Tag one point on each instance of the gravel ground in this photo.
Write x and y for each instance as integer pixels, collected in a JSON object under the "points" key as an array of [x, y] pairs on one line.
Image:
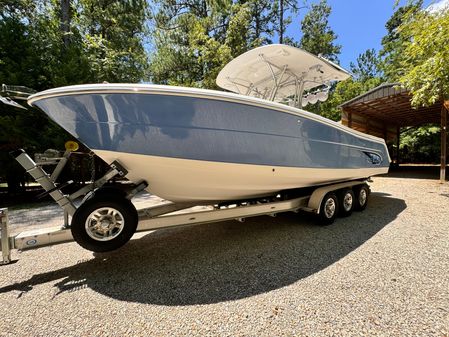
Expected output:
{"points": [[381, 272]]}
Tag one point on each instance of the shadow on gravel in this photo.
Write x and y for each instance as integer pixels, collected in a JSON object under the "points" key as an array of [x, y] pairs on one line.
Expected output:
{"points": [[223, 261]]}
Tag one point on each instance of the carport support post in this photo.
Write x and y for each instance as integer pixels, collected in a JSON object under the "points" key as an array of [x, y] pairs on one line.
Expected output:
{"points": [[443, 141], [398, 143]]}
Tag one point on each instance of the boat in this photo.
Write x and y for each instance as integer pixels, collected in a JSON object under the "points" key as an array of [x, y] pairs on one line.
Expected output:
{"points": [[204, 146]]}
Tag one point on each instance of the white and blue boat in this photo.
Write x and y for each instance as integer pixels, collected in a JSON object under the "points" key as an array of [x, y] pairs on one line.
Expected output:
{"points": [[203, 146]]}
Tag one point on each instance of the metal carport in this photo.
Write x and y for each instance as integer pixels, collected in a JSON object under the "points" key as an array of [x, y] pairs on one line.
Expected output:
{"points": [[384, 110]]}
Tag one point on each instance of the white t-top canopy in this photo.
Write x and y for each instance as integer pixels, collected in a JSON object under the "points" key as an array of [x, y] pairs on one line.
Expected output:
{"points": [[277, 72]]}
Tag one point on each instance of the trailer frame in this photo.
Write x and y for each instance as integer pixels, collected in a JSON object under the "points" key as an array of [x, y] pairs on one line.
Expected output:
{"points": [[161, 216]]}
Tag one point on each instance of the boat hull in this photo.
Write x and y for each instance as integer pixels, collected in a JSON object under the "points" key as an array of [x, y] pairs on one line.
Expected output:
{"points": [[182, 180], [200, 145]]}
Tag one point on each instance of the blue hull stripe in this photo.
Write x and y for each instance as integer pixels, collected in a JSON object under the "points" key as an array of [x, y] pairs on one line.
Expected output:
{"points": [[207, 129]]}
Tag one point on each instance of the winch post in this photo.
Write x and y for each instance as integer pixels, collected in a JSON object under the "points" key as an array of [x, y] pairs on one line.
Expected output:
{"points": [[4, 229], [60, 166]]}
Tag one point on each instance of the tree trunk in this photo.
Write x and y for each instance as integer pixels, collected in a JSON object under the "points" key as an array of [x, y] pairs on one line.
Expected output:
{"points": [[281, 21], [65, 22], [443, 144], [257, 21]]}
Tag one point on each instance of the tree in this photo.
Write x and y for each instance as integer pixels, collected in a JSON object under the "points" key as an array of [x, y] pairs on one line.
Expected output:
{"points": [[112, 35], [393, 43], [318, 38], [366, 66], [424, 60], [66, 17], [52, 43], [262, 21], [398, 65], [194, 40], [27, 129], [173, 61], [281, 9], [421, 144], [342, 92], [55, 43], [18, 61], [215, 52]]}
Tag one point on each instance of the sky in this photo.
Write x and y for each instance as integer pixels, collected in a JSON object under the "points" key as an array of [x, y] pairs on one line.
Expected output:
{"points": [[359, 24]]}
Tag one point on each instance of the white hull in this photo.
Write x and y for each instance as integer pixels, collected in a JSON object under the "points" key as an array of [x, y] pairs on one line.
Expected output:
{"points": [[185, 180]]}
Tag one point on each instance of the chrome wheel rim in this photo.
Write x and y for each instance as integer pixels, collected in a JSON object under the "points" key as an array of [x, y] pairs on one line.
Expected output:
{"points": [[329, 208], [104, 224], [347, 202], [362, 197]]}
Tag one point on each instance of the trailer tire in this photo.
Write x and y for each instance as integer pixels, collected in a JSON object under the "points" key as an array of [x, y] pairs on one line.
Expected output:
{"points": [[104, 223], [347, 201], [361, 197], [328, 209]]}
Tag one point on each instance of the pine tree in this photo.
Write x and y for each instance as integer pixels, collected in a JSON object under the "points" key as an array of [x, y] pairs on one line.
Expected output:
{"points": [[318, 38], [366, 66], [393, 42], [194, 40]]}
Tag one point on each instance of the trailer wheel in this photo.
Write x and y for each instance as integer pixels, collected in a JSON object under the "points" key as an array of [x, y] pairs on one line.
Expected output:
{"points": [[347, 200], [328, 209], [104, 223], [361, 196]]}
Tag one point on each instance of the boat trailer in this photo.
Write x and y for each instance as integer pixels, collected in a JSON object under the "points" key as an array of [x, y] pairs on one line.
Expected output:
{"points": [[106, 219]]}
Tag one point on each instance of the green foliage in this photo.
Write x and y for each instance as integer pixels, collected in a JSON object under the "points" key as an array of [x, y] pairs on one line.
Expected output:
{"points": [[27, 129], [415, 52], [173, 62], [424, 60], [192, 46], [366, 66], [281, 18], [191, 40], [212, 53], [417, 144], [393, 43], [420, 145], [342, 92], [105, 44], [318, 38], [113, 39], [19, 64], [263, 21], [103, 41]]}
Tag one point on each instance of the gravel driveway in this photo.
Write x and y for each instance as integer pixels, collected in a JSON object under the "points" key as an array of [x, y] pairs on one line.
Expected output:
{"points": [[384, 271]]}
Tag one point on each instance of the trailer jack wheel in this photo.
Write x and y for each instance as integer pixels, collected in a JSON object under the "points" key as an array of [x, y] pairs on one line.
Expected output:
{"points": [[104, 223], [328, 209]]}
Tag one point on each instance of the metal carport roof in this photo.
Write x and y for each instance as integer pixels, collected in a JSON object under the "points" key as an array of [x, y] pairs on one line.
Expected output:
{"points": [[383, 110], [391, 103]]}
